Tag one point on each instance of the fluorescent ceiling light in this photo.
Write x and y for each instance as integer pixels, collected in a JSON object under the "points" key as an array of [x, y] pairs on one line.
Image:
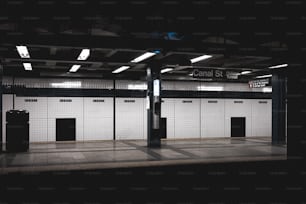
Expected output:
{"points": [[245, 72], [210, 88], [27, 66], [197, 59], [166, 70], [267, 89], [67, 84], [120, 69], [23, 51], [278, 66], [84, 54], [143, 57], [264, 76], [75, 68]]}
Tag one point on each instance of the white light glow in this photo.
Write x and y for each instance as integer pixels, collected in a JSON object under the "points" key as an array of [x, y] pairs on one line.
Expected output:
{"points": [[84, 54], [75, 68], [166, 70], [278, 66], [264, 76], [143, 57], [27, 66], [120, 69], [267, 89], [210, 88], [23, 51], [156, 87], [245, 72], [76, 84], [137, 86], [197, 59]]}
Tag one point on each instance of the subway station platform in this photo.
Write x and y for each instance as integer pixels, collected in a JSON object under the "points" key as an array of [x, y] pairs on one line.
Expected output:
{"points": [[134, 153]]}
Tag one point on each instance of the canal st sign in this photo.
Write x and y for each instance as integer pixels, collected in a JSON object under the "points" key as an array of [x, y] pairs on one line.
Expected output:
{"points": [[214, 74]]}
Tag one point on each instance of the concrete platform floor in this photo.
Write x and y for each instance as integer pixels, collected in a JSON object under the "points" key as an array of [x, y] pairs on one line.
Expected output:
{"points": [[134, 153]]}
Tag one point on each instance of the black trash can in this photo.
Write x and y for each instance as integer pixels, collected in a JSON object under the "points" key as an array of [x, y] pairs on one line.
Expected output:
{"points": [[17, 131]]}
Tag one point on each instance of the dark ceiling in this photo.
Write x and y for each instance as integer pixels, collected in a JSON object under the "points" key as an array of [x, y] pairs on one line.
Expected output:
{"points": [[241, 35]]}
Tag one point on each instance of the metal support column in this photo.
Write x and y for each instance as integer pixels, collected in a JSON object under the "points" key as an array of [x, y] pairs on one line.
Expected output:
{"points": [[1, 74], [154, 104], [114, 108], [296, 142], [278, 107]]}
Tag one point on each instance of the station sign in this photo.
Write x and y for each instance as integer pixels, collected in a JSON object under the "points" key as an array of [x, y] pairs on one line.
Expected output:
{"points": [[259, 83], [215, 74]]}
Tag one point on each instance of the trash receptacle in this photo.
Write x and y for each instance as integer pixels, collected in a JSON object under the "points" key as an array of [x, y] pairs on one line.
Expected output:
{"points": [[17, 131]]}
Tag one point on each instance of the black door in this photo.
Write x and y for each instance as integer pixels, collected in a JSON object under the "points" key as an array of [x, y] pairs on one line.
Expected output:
{"points": [[163, 127], [65, 129], [238, 127]]}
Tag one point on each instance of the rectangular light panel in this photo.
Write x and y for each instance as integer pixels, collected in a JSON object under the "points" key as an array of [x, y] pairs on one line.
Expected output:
{"points": [[23, 51], [143, 57], [84, 54], [75, 68], [264, 76], [278, 66], [166, 70], [27, 66], [120, 69], [201, 58], [245, 72]]}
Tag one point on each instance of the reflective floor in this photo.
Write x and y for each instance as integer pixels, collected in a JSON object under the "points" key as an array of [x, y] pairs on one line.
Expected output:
{"points": [[133, 153]]}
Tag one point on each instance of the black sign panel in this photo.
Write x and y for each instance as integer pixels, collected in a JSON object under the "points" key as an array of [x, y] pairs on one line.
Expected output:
{"points": [[214, 74]]}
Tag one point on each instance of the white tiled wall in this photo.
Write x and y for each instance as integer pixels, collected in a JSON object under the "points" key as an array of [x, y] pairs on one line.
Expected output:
{"points": [[129, 118], [62, 83], [98, 118], [7, 104], [262, 117], [38, 112], [124, 84], [131, 85], [167, 110], [187, 86], [212, 118], [145, 119], [94, 120], [187, 118]]}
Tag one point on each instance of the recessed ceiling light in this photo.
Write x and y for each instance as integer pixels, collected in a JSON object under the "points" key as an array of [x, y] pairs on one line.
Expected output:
{"points": [[27, 66], [84, 54], [278, 66], [143, 57], [23, 51], [245, 72], [197, 59], [166, 70], [75, 68], [264, 76], [120, 69]]}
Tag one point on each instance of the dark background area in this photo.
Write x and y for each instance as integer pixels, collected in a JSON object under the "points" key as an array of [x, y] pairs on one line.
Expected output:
{"points": [[246, 182]]}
